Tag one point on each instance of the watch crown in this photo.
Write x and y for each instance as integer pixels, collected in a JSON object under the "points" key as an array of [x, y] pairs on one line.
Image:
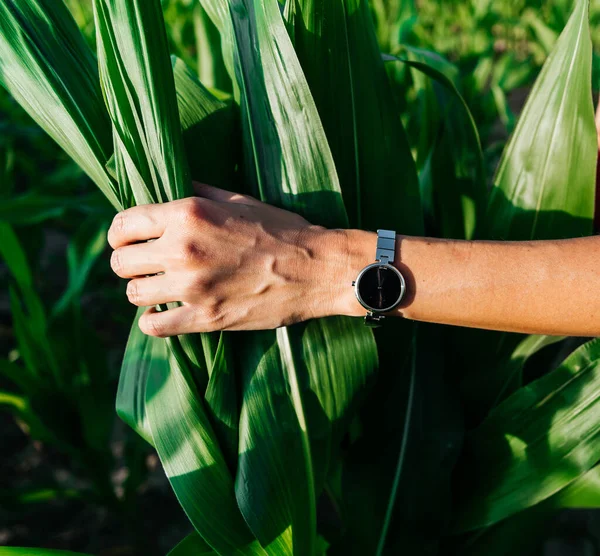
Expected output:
{"points": [[354, 282]]}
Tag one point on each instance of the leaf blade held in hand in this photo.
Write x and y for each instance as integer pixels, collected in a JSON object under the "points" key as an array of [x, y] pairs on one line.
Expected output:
{"points": [[284, 403], [137, 78]]}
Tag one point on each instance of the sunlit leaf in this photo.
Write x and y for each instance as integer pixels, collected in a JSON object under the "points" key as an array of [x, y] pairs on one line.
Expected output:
{"points": [[51, 72], [535, 443], [544, 188], [285, 450]]}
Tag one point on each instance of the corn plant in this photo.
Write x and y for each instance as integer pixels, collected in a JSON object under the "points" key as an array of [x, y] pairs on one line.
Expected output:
{"points": [[62, 392], [418, 439]]}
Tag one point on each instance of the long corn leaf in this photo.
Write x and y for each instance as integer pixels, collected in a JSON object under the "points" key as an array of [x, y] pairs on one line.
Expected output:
{"points": [[455, 159], [291, 404], [141, 100], [338, 51], [47, 66], [544, 188], [192, 458], [534, 444], [137, 78]]}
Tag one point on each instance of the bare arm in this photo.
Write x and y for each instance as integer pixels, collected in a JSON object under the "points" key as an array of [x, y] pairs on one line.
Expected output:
{"points": [[235, 263], [537, 287]]}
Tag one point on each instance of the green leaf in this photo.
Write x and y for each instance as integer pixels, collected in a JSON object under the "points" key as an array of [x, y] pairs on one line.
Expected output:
{"points": [[285, 451], [138, 81], [21, 407], [140, 98], [275, 483], [210, 131], [544, 188], [83, 251], [29, 316], [218, 12], [141, 354], [338, 51], [222, 399], [31, 208], [584, 492], [14, 256], [535, 443], [455, 161], [485, 390], [211, 66], [52, 73], [18, 376], [192, 545], [545, 35], [191, 457], [545, 184], [413, 465], [519, 535], [159, 401]]}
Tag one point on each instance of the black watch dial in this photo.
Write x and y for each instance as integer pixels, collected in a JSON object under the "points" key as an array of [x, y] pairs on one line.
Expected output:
{"points": [[380, 287]]}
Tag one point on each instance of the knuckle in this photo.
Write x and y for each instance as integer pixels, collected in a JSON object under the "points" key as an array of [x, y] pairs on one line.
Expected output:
{"points": [[116, 262], [212, 312], [199, 285], [152, 327], [133, 292], [117, 227], [188, 252], [192, 209]]}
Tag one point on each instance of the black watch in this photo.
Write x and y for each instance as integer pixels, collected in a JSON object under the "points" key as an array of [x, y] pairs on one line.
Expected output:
{"points": [[380, 286]]}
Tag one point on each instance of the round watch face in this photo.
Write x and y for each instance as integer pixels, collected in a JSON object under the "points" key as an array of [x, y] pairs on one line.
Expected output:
{"points": [[380, 287]]}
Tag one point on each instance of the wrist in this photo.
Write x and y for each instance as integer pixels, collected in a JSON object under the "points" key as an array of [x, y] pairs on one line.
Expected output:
{"points": [[338, 256], [359, 252], [324, 273]]}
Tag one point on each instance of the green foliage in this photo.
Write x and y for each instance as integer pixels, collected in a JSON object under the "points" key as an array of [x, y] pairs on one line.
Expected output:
{"points": [[544, 188], [458, 444], [7, 551], [47, 67], [534, 444]]}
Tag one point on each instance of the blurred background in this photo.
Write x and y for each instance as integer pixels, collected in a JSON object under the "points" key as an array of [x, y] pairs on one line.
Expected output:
{"points": [[72, 476]]}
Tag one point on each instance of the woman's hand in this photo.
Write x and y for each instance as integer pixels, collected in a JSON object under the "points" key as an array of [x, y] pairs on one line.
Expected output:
{"points": [[233, 262]]}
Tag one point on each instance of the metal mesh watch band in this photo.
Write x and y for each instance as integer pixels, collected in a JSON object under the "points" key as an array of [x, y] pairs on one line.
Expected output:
{"points": [[386, 250], [386, 246]]}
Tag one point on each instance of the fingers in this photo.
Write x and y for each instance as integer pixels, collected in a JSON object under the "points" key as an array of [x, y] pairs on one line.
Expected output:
{"points": [[222, 195], [137, 224], [163, 324], [152, 290], [137, 260]]}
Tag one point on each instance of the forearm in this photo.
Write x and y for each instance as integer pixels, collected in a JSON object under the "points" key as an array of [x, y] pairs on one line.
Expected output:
{"points": [[234, 263], [537, 287]]}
